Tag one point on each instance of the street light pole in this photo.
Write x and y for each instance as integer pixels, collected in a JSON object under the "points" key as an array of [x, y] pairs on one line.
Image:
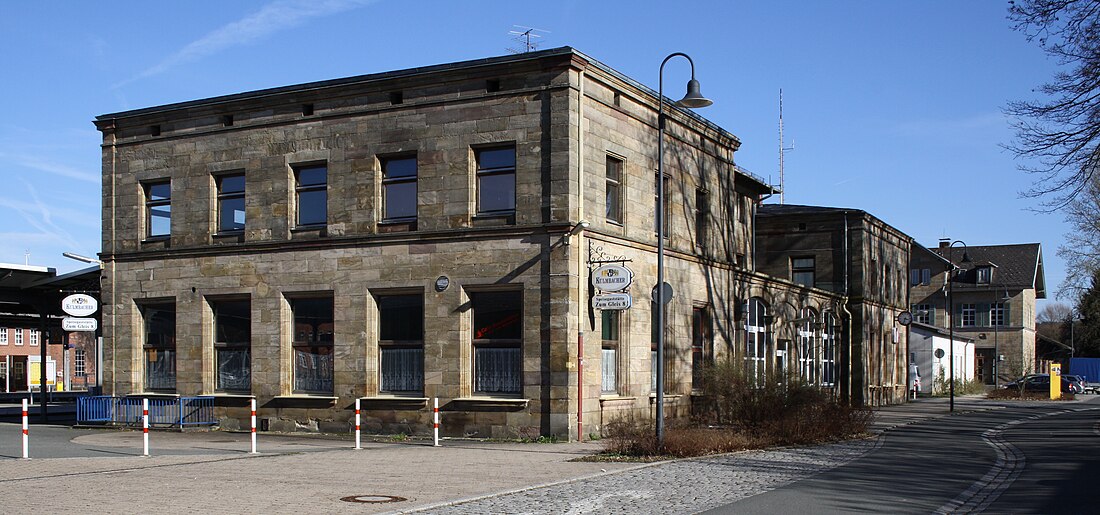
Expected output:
{"points": [[693, 99], [951, 316]]}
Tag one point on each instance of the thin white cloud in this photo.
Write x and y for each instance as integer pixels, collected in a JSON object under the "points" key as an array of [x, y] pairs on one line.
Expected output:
{"points": [[42, 165], [979, 123], [271, 18], [38, 216]]}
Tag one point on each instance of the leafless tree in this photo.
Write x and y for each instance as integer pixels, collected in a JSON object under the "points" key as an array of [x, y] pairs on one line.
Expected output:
{"points": [[1058, 135]]}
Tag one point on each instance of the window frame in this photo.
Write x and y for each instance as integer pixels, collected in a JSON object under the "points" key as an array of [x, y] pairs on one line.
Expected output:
{"points": [[483, 344], [998, 314], [79, 364], [614, 168], [702, 217], [492, 172], [154, 205], [756, 339], [300, 188], [610, 343], [3, 335], [314, 346], [32, 337], [231, 346], [968, 314], [390, 344], [388, 182], [224, 196], [702, 343], [984, 274], [18, 340], [808, 359], [797, 270], [152, 380]]}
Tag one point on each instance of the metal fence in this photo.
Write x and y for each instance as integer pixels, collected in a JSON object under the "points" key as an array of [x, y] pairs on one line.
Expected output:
{"points": [[173, 412]]}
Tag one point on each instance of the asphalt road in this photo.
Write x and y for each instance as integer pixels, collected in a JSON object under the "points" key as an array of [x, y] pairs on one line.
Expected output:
{"points": [[1034, 458]]}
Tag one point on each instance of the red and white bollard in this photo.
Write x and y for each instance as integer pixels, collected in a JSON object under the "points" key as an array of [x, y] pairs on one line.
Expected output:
{"points": [[436, 424], [26, 449], [357, 440], [145, 426], [253, 405]]}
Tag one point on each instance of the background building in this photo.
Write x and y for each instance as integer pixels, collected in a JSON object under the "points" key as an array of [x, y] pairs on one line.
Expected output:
{"points": [[859, 257], [995, 294]]}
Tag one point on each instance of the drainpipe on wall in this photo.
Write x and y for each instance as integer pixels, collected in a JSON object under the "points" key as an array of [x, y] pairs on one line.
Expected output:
{"points": [[580, 261]]}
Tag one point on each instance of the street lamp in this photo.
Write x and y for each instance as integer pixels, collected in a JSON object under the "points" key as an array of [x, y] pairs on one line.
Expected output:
{"points": [[951, 314], [693, 99]]}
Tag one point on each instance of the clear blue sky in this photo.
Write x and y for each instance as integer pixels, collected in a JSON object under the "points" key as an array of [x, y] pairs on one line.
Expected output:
{"points": [[893, 107]]}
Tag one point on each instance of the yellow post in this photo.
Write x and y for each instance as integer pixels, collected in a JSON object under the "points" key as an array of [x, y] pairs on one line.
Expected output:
{"points": [[1055, 381]]}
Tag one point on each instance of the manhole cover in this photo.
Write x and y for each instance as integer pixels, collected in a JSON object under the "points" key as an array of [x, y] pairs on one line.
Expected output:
{"points": [[374, 499]]}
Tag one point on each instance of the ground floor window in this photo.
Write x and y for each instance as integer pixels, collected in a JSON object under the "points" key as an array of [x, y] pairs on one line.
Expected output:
{"points": [[160, 346], [828, 352], [78, 362], [807, 348], [756, 344], [497, 341], [233, 345], [609, 362], [401, 342], [700, 344], [313, 344]]}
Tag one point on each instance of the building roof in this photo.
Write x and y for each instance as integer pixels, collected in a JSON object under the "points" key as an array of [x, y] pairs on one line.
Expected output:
{"points": [[777, 210], [937, 330], [439, 68], [1018, 265]]}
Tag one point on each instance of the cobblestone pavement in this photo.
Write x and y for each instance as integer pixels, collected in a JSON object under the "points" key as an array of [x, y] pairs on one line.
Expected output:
{"points": [[686, 486]]}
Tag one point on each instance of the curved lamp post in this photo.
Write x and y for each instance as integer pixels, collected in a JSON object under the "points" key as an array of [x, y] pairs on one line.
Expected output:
{"points": [[693, 99], [951, 314]]}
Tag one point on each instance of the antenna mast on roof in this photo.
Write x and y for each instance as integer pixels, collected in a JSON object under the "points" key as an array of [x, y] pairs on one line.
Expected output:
{"points": [[524, 37], [782, 150]]}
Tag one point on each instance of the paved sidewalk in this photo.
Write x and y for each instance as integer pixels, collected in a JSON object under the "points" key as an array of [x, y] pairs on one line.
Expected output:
{"points": [[296, 474]]}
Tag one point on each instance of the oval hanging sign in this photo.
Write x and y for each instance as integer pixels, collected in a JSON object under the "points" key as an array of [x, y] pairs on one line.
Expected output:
{"points": [[612, 278], [79, 305]]}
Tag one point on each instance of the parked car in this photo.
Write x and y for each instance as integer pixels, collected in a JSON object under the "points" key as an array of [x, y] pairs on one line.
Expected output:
{"points": [[1077, 381], [1041, 383]]}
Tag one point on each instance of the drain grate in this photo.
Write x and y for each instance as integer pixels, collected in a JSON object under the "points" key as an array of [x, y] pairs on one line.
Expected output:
{"points": [[373, 499]]}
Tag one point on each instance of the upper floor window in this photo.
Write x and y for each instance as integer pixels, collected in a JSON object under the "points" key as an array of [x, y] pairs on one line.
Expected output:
{"points": [[920, 276], [661, 212], [34, 337], [802, 271], [230, 202], [998, 314], [19, 336], [968, 315], [496, 180], [158, 209], [702, 214], [3, 335], [311, 187], [985, 274], [399, 189], [614, 190], [924, 313]]}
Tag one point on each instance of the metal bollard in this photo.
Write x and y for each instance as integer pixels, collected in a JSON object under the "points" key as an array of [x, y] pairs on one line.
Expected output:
{"points": [[145, 426], [436, 425], [253, 405], [357, 440], [26, 449]]}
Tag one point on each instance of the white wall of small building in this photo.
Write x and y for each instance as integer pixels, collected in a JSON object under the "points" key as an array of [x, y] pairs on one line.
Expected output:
{"points": [[922, 348]]}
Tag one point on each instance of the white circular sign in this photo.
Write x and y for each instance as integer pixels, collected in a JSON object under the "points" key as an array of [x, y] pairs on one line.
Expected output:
{"points": [[612, 278], [79, 305]]}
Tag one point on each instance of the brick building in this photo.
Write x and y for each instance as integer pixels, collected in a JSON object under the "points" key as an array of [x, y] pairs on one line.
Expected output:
{"points": [[407, 235], [864, 260]]}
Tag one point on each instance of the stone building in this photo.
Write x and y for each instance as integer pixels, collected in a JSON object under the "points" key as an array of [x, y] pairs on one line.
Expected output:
{"points": [[862, 259], [428, 233], [994, 293]]}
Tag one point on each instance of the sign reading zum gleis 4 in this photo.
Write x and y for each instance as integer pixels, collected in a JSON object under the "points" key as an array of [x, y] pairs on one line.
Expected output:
{"points": [[79, 305], [612, 278]]}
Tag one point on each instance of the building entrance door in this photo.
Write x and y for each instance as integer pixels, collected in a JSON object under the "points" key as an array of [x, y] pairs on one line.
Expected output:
{"points": [[983, 365], [18, 382]]}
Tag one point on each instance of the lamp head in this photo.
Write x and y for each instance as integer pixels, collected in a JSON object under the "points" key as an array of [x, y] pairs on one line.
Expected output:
{"points": [[694, 99]]}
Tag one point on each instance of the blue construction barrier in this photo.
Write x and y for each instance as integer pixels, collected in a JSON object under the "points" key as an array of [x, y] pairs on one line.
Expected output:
{"points": [[174, 412]]}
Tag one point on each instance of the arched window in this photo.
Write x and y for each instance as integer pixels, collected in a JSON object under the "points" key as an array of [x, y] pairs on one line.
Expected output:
{"points": [[828, 351], [807, 347], [756, 334]]}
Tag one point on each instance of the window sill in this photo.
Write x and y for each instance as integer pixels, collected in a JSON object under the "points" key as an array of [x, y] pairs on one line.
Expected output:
{"points": [[669, 397], [223, 399], [388, 226], [493, 219], [157, 242], [488, 404], [303, 401], [229, 237], [309, 231], [394, 402], [616, 399]]}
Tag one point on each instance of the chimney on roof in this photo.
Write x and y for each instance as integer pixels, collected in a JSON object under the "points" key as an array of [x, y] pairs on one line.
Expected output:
{"points": [[945, 242]]}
